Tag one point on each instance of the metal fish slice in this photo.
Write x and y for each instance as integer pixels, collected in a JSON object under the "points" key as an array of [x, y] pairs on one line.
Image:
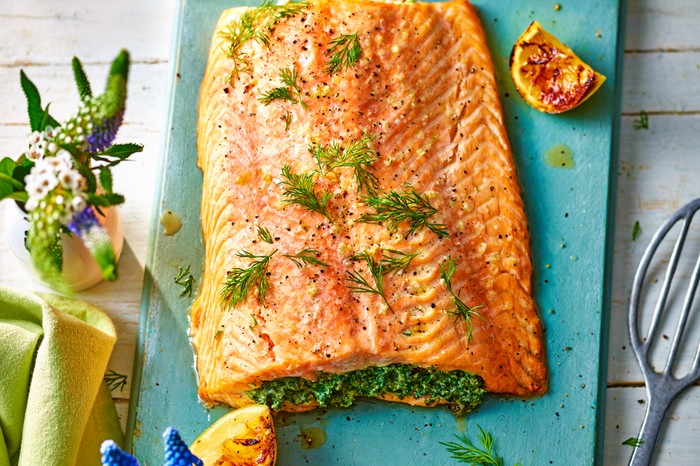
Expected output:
{"points": [[662, 386]]}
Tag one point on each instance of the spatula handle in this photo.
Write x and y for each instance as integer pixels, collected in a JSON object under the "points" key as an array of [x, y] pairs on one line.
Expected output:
{"points": [[649, 433]]}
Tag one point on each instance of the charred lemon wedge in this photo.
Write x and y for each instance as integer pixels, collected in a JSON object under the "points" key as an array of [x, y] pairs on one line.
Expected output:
{"points": [[548, 74], [243, 437]]}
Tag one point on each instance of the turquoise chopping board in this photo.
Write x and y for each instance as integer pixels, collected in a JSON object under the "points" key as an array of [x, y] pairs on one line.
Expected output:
{"points": [[570, 212]]}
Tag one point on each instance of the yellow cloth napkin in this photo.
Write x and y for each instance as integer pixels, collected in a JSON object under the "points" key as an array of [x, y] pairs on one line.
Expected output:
{"points": [[54, 406]]}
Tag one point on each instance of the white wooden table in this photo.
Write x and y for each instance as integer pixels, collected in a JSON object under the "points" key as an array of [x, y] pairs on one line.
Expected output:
{"points": [[659, 168]]}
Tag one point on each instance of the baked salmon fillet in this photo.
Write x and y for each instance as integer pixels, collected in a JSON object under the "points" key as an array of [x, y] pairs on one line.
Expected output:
{"points": [[363, 226]]}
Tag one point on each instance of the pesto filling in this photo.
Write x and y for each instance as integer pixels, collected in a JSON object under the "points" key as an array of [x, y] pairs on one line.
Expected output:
{"points": [[462, 390]]}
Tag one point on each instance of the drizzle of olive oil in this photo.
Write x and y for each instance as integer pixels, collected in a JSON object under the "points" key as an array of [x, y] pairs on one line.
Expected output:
{"points": [[560, 156], [313, 438], [461, 424]]}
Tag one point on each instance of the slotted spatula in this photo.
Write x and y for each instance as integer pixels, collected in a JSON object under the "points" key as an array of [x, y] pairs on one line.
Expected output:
{"points": [[662, 386]]}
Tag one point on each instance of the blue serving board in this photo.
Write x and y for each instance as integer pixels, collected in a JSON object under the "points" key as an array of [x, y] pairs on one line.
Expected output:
{"points": [[570, 213]]}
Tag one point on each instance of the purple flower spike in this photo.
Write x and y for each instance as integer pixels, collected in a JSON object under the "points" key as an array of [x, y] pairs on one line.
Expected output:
{"points": [[103, 134], [176, 451], [112, 455], [86, 227]]}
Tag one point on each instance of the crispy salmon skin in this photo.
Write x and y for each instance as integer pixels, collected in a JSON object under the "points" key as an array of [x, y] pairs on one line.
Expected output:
{"points": [[436, 196]]}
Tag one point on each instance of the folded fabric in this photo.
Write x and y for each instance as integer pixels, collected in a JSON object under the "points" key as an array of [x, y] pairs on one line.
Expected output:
{"points": [[54, 406]]}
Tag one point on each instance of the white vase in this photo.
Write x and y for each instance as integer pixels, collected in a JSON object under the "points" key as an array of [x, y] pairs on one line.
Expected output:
{"points": [[80, 270]]}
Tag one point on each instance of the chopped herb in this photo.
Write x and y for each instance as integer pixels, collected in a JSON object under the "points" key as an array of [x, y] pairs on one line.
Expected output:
{"points": [[265, 235], [358, 155], [299, 189], [255, 25], [361, 285], [448, 269], [290, 91], [464, 451], [306, 257], [239, 281], [345, 50], [395, 208], [636, 230], [633, 442], [287, 120], [642, 122], [185, 280], [398, 263], [461, 390], [218, 334], [255, 322], [115, 380]]}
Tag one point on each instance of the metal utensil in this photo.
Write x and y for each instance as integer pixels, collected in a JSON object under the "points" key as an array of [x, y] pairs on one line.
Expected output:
{"points": [[662, 387]]}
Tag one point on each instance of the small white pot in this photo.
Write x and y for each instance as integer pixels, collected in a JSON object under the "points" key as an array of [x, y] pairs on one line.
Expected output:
{"points": [[79, 268]]}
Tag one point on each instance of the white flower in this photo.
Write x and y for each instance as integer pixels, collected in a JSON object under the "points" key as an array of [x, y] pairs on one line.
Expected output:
{"points": [[33, 154], [31, 204], [35, 138], [59, 200], [65, 157], [52, 148], [70, 179], [77, 204], [50, 132]]}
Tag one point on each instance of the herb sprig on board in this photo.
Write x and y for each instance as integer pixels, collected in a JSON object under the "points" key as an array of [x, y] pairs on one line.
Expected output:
{"points": [[357, 155], [255, 25], [185, 280], [394, 208], [447, 270], [241, 281], [345, 50], [397, 262], [299, 189], [464, 451], [264, 235]]}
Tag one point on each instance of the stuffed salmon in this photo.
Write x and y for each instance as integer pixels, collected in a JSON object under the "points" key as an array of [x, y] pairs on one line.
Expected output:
{"points": [[363, 226]]}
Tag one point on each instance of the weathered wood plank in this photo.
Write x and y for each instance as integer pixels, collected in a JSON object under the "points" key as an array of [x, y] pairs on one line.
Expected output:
{"points": [[661, 82], [52, 32], [662, 25], [657, 175], [679, 434]]}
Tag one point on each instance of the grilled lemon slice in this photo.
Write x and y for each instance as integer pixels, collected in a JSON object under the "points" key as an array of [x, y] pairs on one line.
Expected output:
{"points": [[548, 74], [243, 437]]}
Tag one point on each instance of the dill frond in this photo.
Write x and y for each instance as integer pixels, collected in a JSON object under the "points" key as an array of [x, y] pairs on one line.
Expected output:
{"points": [[464, 451], [345, 50], [254, 25], [360, 283], [115, 380], [395, 208], [358, 155], [447, 269], [265, 235], [398, 263], [306, 257], [299, 189], [185, 280], [240, 281], [290, 91]]}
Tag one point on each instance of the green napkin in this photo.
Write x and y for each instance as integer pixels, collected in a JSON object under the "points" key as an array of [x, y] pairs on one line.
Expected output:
{"points": [[54, 406]]}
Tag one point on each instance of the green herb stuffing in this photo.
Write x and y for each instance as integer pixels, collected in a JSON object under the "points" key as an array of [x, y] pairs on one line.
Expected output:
{"points": [[461, 390]]}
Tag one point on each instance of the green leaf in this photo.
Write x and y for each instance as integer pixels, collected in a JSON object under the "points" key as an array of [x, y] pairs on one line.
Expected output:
{"points": [[89, 177], [10, 181], [81, 79], [633, 442], [117, 153], [7, 166], [106, 179], [48, 120], [36, 112], [636, 230], [105, 200]]}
